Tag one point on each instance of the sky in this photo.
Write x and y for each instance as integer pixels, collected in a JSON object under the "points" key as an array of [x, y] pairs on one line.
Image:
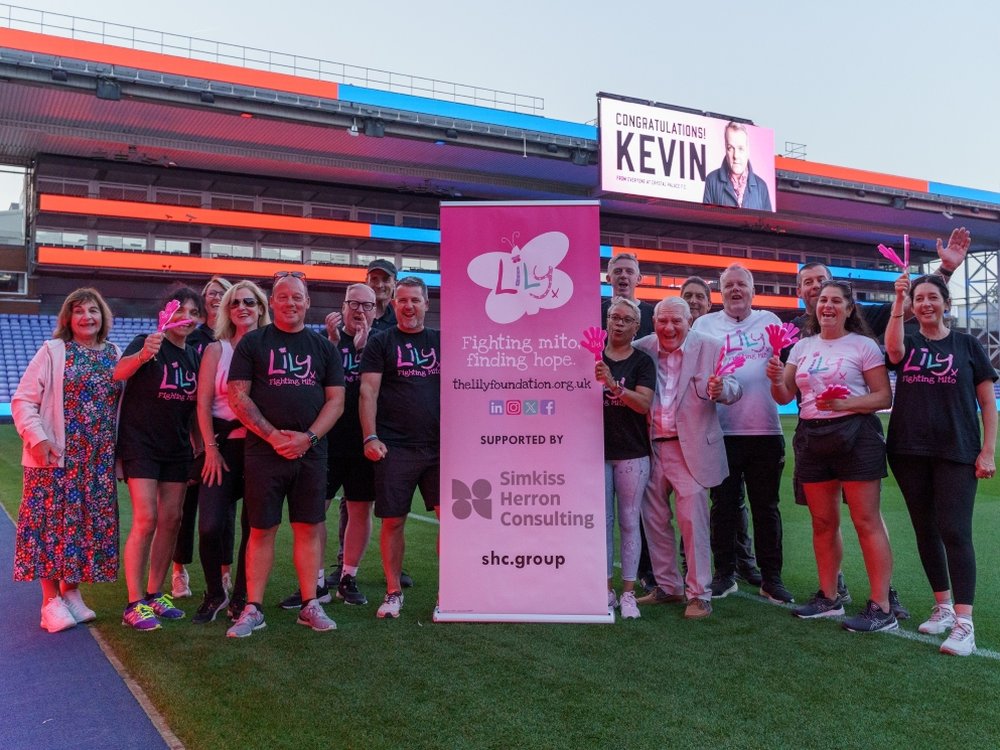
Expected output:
{"points": [[906, 88]]}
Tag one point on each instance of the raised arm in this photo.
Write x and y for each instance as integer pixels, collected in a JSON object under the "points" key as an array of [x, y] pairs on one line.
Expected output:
{"points": [[894, 331]]}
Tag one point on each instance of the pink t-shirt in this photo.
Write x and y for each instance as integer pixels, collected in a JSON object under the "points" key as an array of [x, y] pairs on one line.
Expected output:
{"points": [[823, 362]]}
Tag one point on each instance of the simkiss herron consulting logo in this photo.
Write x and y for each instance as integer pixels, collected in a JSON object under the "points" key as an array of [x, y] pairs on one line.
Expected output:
{"points": [[477, 498]]}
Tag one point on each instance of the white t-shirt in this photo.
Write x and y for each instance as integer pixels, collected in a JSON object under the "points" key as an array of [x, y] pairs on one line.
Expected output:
{"points": [[824, 362], [755, 413]]}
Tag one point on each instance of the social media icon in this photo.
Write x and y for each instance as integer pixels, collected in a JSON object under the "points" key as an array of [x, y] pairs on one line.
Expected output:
{"points": [[496, 408], [547, 407], [513, 408], [530, 408]]}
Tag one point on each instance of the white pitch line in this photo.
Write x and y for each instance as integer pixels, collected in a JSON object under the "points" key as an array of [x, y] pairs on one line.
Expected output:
{"points": [[425, 519]]}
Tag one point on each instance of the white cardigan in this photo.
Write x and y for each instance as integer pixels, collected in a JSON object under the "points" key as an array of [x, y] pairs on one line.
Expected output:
{"points": [[37, 405]]}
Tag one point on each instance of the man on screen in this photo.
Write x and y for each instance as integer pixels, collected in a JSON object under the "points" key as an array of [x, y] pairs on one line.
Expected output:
{"points": [[734, 184]]}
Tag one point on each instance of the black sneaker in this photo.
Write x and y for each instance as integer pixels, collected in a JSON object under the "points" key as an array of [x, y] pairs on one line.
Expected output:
{"points": [[647, 582], [775, 591], [871, 619], [750, 575], [842, 592], [901, 612], [294, 601], [819, 606], [236, 605], [348, 591], [333, 580], [723, 586], [210, 607], [404, 579]]}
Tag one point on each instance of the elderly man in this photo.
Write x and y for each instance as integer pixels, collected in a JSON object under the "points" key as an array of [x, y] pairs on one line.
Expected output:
{"points": [[755, 445], [734, 184], [624, 276], [688, 452], [286, 385]]}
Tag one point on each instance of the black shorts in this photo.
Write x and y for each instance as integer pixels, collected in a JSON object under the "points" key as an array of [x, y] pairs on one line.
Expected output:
{"points": [[355, 473], [271, 478], [161, 471], [864, 461], [403, 469]]}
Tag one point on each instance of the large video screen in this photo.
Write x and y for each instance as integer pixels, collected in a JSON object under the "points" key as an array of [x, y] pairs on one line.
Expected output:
{"points": [[666, 153]]}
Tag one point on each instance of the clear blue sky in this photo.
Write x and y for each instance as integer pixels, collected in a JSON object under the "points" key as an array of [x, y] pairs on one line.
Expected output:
{"points": [[908, 88]]}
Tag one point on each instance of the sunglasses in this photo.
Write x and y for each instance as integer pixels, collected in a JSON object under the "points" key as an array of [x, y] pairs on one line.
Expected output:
{"points": [[293, 274], [245, 302], [355, 305]]}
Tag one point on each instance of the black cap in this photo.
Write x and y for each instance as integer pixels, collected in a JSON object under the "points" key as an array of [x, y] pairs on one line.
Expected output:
{"points": [[383, 265]]}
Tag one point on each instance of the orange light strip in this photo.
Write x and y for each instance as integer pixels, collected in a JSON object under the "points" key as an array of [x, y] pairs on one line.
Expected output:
{"points": [[30, 41], [66, 204], [801, 166], [711, 261], [232, 268], [768, 301]]}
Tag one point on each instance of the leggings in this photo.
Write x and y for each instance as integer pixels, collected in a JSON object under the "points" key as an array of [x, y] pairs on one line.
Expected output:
{"points": [[940, 495], [216, 520], [627, 480]]}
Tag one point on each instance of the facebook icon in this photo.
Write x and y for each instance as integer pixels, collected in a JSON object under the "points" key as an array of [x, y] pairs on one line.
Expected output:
{"points": [[496, 408], [547, 407]]}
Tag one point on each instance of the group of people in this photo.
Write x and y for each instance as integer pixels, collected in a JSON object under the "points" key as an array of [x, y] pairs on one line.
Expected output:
{"points": [[264, 410], [272, 411], [691, 412]]}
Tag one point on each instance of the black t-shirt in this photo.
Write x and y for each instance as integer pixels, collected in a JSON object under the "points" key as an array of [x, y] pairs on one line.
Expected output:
{"points": [[645, 317], [387, 321], [935, 412], [159, 400], [409, 400], [201, 337], [345, 437], [625, 432], [288, 373]]}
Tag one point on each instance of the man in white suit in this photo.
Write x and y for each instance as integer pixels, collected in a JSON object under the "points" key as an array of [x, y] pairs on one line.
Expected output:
{"points": [[689, 454]]}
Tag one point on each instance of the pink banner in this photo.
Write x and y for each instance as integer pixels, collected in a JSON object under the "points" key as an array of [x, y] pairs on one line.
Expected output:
{"points": [[522, 453]]}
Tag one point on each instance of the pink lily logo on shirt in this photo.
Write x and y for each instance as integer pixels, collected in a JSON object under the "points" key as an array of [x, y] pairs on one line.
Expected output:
{"points": [[526, 279]]}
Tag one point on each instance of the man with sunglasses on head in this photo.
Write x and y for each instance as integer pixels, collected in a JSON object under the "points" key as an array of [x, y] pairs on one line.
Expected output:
{"points": [[286, 385]]}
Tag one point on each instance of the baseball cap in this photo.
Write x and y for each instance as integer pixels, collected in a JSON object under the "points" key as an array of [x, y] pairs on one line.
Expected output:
{"points": [[383, 265]]}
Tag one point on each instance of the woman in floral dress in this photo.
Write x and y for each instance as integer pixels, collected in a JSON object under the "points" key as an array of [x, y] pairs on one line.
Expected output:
{"points": [[64, 410]]}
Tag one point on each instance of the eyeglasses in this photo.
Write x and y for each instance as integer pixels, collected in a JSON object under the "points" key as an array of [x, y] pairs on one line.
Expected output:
{"points": [[356, 305], [245, 302], [619, 319], [213, 293], [293, 274]]}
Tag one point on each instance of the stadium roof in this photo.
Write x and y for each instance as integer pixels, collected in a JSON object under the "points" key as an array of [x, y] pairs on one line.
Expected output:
{"points": [[97, 101]]}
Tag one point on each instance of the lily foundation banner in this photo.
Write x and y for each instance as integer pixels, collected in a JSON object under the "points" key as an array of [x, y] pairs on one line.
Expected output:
{"points": [[522, 453]]}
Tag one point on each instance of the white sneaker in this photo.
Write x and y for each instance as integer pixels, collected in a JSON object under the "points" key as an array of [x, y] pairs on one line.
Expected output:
{"points": [[56, 615], [942, 617], [180, 587], [630, 610], [312, 615], [80, 611], [612, 599], [962, 639], [391, 605]]}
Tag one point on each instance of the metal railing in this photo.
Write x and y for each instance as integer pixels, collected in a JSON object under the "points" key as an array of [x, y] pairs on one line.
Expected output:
{"points": [[132, 37]]}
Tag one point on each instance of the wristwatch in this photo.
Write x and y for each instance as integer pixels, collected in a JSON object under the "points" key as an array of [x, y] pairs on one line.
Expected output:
{"points": [[313, 438]]}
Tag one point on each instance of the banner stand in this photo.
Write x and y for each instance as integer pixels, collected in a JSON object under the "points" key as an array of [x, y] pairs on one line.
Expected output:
{"points": [[606, 619]]}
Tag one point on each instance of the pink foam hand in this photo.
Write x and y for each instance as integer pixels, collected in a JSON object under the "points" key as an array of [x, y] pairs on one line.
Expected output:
{"points": [[782, 335], [833, 392], [731, 366], [906, 252], [593, 341], [890, 255], [166, 314]]}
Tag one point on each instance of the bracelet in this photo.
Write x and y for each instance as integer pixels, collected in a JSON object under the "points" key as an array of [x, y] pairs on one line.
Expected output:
{"points": [[369, 439], [896, 316], [211, 445]]}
